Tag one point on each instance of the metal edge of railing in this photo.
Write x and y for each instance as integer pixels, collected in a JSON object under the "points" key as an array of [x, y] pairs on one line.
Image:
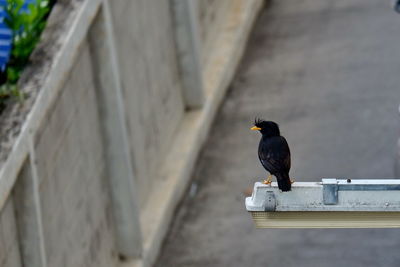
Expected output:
{"points": [[330, 194]]}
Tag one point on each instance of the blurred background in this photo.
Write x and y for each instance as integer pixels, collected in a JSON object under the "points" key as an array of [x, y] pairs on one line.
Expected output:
{"points": [[326, 71], [126, 141]]}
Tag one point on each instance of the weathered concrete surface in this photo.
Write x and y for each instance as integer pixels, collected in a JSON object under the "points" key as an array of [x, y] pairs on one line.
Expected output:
{"points": [[211, 14], [10, 254], [76, 211], [328, 72], [151, 85]]}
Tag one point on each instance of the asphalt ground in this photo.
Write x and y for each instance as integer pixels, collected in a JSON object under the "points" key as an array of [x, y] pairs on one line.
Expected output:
{"points": [[329, 73]]}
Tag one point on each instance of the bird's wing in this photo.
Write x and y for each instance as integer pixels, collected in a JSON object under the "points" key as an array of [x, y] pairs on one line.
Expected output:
{"points": [[274, 154]]}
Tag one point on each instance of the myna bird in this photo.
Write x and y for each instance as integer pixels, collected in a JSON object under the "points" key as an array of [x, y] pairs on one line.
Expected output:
{"points": [[274, 153]]}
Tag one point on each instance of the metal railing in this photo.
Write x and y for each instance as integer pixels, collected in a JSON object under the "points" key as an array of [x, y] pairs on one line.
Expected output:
{"points": [[346, 202]]}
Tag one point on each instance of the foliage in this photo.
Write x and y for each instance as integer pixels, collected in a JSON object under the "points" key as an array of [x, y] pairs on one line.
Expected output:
{"points": [[26, 19]]}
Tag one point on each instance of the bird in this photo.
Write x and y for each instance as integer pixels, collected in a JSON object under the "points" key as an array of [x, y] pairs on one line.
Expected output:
{"points": [[274, 153]]}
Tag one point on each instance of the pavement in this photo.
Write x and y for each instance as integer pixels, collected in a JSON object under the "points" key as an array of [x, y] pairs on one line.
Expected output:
{"points": [[329, 73]]}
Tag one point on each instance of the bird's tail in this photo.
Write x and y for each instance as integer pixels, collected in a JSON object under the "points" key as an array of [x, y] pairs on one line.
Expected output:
{"points": [[284, 182]]}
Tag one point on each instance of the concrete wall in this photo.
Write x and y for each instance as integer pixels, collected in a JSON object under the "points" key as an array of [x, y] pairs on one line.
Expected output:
{"points": [[74, 196], [75, 207], [211, 13], [99, 154], [151, 84], [9, 249]]}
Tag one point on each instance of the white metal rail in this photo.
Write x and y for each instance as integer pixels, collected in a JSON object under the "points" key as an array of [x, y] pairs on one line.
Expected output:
{"points": [[331, 203]]}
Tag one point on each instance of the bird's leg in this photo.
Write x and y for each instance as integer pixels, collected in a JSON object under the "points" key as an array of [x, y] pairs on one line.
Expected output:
{"points": [[269, 180], [291, 181]]}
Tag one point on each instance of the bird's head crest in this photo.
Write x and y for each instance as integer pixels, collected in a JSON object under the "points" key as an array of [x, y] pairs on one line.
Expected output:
{"points": [[268, 128], [258, 122]]}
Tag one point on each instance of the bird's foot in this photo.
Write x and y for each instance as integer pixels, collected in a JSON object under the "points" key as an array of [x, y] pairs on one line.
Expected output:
{"points": [[291, 181], [268, 181]]}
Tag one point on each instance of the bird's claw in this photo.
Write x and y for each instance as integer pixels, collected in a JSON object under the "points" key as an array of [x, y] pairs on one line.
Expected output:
{"points": [[291, 181], [269, 180]]}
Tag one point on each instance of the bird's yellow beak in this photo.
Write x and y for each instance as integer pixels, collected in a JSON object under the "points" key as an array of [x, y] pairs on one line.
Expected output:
{"points": [[255, 128]]}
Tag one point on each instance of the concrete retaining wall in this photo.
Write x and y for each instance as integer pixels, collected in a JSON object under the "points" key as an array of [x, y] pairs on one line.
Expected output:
{"points": [[151, 84], [211, 14], [94, 161]]}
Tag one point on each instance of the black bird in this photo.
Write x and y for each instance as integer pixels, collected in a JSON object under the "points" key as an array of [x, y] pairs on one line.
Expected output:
{"points": [[274, 153]]}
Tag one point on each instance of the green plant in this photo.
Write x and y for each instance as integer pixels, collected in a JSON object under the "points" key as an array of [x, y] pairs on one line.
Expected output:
{"points": [[26, 19]]}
